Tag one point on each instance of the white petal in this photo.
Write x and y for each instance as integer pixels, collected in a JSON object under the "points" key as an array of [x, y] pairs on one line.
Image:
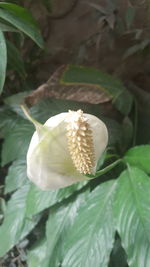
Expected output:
{"points": [[100, 136], [49, 164]]}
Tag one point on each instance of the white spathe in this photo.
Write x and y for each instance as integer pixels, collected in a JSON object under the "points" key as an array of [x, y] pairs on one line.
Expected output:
{"points": [[49, 164]]}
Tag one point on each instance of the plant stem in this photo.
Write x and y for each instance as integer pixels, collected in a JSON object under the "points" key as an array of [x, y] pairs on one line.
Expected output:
{"points": [[105, 170]]}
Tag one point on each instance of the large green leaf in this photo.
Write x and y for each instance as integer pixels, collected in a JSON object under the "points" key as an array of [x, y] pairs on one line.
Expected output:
{"points": [[39, 200], [50, 107], [22, 20], [8, 120], [139, 156], [17, 141], [120, 96], [15, 60], [90, 239], [45, 251], [132, 213], [57, 228], [16, 177], [15, 226], [3, 60]]}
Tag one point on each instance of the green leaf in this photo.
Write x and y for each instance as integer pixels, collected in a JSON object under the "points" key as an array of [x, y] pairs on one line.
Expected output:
{"points": [[129, 16], [132, 213], [3, 60], [120, 96], [90, 239], [22, 20], [36, 255], [57, 228], [20, 11], [16, 177], [139, 156], [8, 120], [49, 107], [7, 28], [15, 60], [17, 141], [15, 226], [39, 200]]}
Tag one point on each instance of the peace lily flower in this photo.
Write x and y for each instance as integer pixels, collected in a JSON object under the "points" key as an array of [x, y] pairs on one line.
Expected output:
{"points": [[65, 148]]}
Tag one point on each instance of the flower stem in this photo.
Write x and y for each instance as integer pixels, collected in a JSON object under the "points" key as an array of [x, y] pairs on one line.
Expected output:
{"points": [[105, 170]]}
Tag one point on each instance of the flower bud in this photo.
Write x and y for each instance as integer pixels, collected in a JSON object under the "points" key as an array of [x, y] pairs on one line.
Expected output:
{"points": [[65, 148]]}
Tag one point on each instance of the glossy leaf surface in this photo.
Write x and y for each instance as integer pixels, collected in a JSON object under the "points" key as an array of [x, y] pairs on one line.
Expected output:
{"points": [[90, 239], [22, 19], [132, 213], [139, 156]]}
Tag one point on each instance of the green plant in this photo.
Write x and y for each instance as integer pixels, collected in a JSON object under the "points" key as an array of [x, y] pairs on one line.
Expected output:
{"points": [[101, 222], [18, 21]]}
